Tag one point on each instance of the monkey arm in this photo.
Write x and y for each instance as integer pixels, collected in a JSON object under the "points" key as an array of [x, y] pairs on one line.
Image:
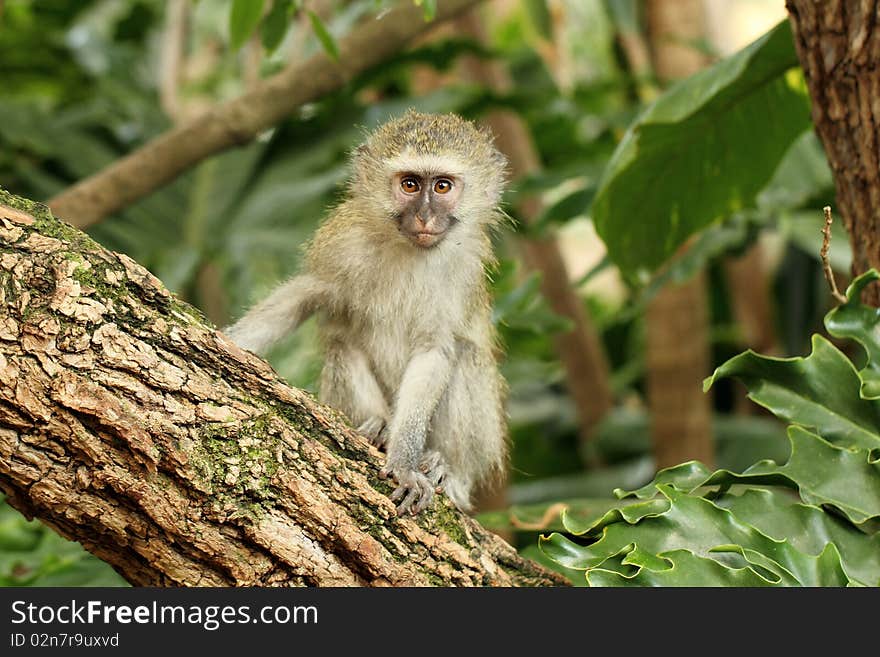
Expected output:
{"points": [[280, 313], [424, 382]]}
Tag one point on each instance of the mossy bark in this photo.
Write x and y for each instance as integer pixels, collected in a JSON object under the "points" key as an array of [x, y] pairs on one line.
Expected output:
{"points": [[129, 424]]}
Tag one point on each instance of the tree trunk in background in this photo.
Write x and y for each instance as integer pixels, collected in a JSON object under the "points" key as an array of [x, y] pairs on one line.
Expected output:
{"points": [[129, 425], [677, 318], [580, 350], [752, 307], [838, 44]]}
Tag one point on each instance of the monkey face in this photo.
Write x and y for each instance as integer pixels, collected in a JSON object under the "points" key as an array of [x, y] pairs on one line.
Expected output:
{"points": [[424, 205]]}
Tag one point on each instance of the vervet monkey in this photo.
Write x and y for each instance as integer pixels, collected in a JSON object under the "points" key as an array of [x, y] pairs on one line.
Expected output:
{"points": [[396, 274]]}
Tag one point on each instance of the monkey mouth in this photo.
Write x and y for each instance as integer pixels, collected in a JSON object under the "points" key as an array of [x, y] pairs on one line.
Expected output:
{"points": [[427, 239]]}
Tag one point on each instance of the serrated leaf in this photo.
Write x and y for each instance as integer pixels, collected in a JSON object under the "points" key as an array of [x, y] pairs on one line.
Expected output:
{"points": [[820, 391], [856, 321], [693, 543], [243, 20], [702, 151], [324, 36]]}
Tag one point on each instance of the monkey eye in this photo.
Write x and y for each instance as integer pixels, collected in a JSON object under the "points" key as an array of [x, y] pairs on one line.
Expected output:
{"points": [[410, 185], [442, 185]]}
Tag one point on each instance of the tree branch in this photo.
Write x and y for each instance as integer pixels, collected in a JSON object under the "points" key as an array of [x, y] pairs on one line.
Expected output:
{"points": [[131, 426], [823, 254], [240, 120]]}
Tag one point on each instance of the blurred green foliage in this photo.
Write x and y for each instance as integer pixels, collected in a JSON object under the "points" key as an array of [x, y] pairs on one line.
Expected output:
{"points": [[31, 554], [80, 90]]}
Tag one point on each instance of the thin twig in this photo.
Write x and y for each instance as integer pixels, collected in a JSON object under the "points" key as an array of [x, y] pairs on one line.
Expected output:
{"points": [[823, 253]]}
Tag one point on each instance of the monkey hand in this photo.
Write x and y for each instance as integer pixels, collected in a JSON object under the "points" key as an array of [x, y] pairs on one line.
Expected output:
{"points": [[414, 490], [374, 429]]}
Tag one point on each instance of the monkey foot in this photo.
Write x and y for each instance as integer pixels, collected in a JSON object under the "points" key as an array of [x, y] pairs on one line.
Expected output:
{"points": [[434, 467], [374, 429], [414, 490]]}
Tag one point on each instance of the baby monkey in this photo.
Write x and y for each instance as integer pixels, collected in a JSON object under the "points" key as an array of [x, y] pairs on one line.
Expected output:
{"points": [[396, 276]]}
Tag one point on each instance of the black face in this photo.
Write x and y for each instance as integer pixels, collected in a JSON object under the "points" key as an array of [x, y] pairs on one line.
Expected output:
{"points": [[425, 206]]}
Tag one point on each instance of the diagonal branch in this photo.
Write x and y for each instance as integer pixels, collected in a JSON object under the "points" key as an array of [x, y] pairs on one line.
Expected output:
{"points": [[130, 425], [240, 120]]}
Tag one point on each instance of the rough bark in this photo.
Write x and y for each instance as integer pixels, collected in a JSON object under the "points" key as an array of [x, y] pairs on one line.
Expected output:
{"points": [[240, 120], [677, 318], [838, 44], [580, 349], [130, 425]]}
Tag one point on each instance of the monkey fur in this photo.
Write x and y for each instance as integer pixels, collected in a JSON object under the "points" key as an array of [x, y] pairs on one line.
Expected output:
{"points": [[396, 275]]}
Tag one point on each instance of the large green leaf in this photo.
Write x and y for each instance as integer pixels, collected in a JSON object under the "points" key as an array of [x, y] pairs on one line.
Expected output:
{"points": [[820, 391], [845, 478], [778, 515], [703, 150], [686, 540]]}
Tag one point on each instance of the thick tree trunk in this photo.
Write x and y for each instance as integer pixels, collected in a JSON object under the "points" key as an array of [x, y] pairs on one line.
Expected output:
{"points": [[677, 319], [129, 425], [838, 44]]}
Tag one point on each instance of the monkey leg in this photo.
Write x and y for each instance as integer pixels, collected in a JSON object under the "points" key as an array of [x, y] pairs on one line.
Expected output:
{"points": [[348, 384], [468, 429]]}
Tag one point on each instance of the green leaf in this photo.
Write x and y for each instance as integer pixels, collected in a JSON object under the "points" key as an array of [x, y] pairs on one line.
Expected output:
{"points": [[702, 151], [686, 540], [324, 36], [243, 19], [683, 568], [275, 24], [809, 529], [802, 174], [861, 323], [845, 478], [820, 391]]}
